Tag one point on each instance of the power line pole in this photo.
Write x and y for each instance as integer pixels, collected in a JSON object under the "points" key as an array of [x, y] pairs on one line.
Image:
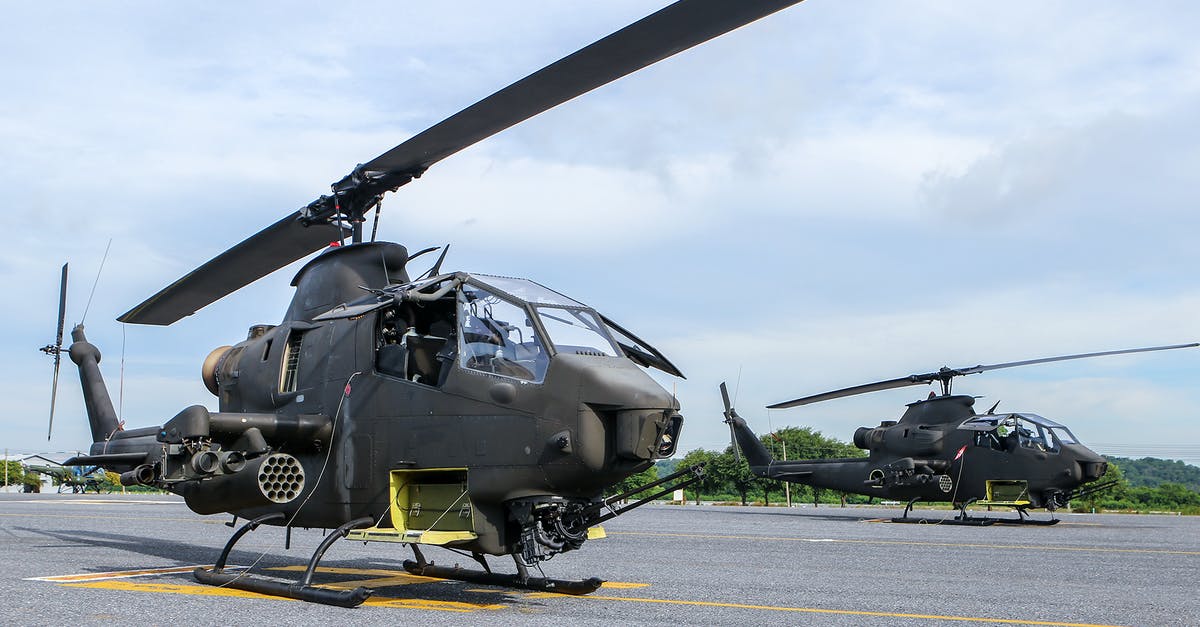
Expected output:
{"points": [[787, 485]]}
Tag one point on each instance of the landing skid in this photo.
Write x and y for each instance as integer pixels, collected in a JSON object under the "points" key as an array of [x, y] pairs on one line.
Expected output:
{"points": [[593, 515], [1024, 519], [521, 580], [302, 590], [963, 518]]}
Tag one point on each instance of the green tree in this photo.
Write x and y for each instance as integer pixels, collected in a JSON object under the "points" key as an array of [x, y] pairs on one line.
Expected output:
{"points": [[1112, 497], [767, 486], [711, 480], [807, 443], [1176, 497], [735, 473], [13, 473], [1151, 472], [666, 466], [632, 481]]}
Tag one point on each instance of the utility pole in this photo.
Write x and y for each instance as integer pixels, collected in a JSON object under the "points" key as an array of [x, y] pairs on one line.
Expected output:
{"points": [[787, 485]]}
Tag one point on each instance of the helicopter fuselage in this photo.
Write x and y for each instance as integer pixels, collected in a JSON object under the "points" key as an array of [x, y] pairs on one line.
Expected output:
{"points": [[452, 404], [940, 450]]}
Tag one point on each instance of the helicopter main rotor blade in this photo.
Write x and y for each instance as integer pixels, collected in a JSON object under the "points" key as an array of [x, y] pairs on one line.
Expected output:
{"points": [[852, 391], [945, 374], [671, 30], [267, 251], [1045, 360]]}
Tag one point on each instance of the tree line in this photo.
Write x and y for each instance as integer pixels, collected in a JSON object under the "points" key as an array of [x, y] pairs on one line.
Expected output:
{"points": [[1124, 496], [727, 476], [1151, 472]]}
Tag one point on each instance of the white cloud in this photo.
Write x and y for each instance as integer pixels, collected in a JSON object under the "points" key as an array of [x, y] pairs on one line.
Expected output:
{"points": [[837, 193]]}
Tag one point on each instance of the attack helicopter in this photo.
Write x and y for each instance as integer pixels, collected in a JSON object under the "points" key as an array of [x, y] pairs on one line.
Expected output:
{"points": [[79, 480], [477, 413], [941, 450]]}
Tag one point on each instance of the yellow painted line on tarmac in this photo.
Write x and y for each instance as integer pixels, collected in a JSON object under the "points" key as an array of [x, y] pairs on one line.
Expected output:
{"points": [[399, 574], [380, 578], [170, 588], [203, 590], [615, 585], [117, 574], [461, 607], [534, 596], [817, 610], [623, 585], [1028, 547], [429, 604], [373, 578]]}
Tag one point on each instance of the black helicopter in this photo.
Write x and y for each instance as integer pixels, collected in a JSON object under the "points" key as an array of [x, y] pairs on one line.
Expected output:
{"points": [[477, 413], [940, 450]]}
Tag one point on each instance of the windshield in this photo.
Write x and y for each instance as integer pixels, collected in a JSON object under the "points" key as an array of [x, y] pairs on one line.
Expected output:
{"points": [[569, 326], [1064, 435], [1008, 432], [496, 336], [576, 331], [527, 291], [1034, 436]]}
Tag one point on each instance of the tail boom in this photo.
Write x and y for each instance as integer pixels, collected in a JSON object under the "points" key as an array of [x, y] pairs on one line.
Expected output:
{"points": [[101, 415]]}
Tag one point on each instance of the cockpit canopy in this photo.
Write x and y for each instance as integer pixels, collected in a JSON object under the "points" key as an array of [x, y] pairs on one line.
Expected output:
{"points": [[505, 326], [1026, 430], [511, 326]]}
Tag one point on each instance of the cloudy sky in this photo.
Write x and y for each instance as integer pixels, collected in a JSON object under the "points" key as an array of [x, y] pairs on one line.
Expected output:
{"points": [[839, 193]]}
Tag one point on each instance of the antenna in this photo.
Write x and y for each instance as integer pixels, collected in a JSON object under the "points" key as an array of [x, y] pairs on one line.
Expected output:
{"points": [[96, 282], [375, 224]]}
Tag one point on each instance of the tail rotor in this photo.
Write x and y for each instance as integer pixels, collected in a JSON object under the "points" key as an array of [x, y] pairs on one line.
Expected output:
{"points": [[745, 443], [55, 349], [730, 414]]}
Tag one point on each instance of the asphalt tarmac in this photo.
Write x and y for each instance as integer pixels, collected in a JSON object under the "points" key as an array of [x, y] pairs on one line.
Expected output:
{"points": [[104, 559]]}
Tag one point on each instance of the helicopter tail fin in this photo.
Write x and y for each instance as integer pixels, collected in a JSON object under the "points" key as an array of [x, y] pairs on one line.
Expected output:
{"points": [[756, 454], [743, 439], [101, 415]]}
